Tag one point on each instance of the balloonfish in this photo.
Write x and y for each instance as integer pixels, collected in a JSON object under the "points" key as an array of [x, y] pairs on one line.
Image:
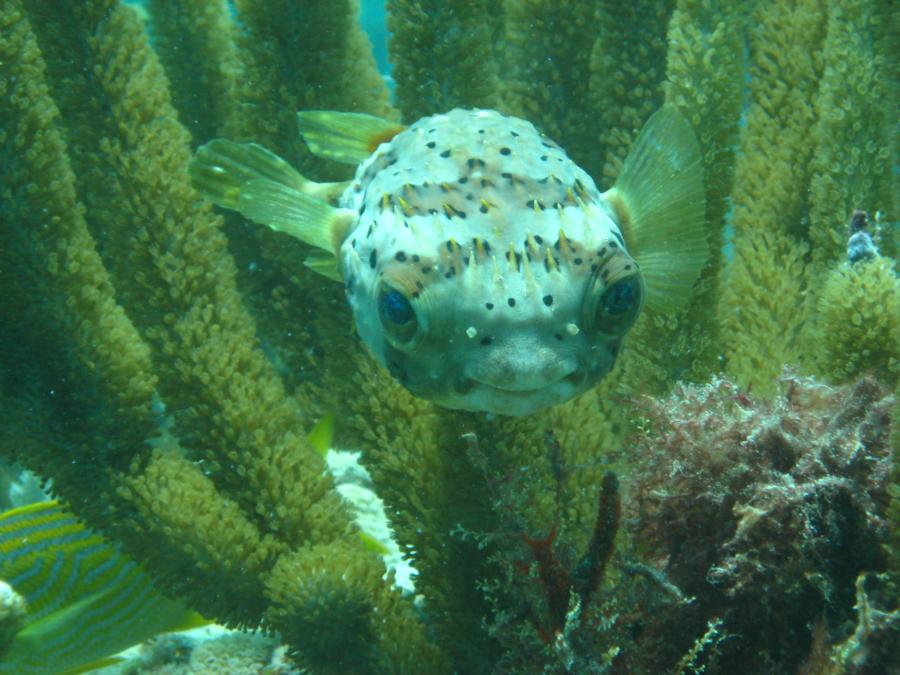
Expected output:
{"points": [[84, 600], [484, 268]]}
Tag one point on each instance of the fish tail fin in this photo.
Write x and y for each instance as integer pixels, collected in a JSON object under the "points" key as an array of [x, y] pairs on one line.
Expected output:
{"points": [[660, 204], [344, 137], [247, 178]]}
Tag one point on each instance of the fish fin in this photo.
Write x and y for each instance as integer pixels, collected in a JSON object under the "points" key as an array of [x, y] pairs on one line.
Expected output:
{"points": [[284, 209], [373, 544], [94, 665], [190, 621], [344, 137], [221, 167], [660, 204], [324, 263], [322, 434]]}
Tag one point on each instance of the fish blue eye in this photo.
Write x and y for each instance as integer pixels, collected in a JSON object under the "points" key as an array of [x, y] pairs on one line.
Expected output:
{"points": [[617, 306], [398, 318], [396, 308], [621, 296]]}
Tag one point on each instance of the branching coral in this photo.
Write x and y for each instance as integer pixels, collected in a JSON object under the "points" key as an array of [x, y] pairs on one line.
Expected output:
{"points": [[131, 308]]}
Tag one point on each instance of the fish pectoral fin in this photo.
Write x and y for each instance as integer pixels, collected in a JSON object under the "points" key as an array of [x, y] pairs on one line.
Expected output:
{"points": [[660, 204], [322, 262], [344, 137], [306, 218], [221, 168]]}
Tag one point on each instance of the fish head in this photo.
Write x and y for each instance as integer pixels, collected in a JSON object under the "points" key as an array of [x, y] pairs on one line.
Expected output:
{"points": [[525, 344]]}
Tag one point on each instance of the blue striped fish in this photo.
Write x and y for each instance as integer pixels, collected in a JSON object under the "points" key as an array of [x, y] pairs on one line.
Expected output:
{"points": [[86, 600]]}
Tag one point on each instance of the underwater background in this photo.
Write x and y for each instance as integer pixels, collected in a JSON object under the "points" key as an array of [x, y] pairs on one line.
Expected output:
{"points": [[727, 500]]}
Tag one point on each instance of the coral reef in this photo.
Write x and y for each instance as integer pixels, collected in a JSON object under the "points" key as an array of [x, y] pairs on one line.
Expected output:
{"points": [[162, 364]]}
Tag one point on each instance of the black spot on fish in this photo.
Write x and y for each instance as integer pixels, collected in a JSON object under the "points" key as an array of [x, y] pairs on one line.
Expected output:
{"points": [[619, 237], [627, 268], [489, 305], [558, 336], [400, 256], [362, 209], [511, 302], [577, 261], [543, 158], [373, 259], [506, 175], [485, 341], [427, 269], [505, 151], [481, 131], [430, 145], [539, 239], [548, 300], [445, 154], [415, 258], [464, 180]]}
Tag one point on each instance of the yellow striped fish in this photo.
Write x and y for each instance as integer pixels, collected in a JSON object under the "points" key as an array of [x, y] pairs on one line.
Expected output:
{"points": [[86, 601]]}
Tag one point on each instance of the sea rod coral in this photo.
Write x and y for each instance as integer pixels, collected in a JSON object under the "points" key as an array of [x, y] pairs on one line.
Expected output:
{"points": [[163, 363]]}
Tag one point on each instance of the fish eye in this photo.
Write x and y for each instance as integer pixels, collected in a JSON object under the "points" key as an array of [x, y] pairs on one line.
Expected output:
{"points": [[398, 318], [618, 305]]}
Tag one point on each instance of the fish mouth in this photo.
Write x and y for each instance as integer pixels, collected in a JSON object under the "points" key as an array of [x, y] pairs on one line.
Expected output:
{"points": [[464, 385]]}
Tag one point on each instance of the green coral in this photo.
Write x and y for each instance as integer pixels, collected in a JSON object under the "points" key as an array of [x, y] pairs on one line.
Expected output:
{"points": [[859, 322], [165, 364]]}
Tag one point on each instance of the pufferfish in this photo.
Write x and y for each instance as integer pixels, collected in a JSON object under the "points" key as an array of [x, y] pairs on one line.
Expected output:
{"points": [[484, 268]]}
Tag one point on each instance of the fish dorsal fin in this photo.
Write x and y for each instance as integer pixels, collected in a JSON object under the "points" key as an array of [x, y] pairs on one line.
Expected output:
{"points": [[345, 137], [660, 204], [247, 178]]}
